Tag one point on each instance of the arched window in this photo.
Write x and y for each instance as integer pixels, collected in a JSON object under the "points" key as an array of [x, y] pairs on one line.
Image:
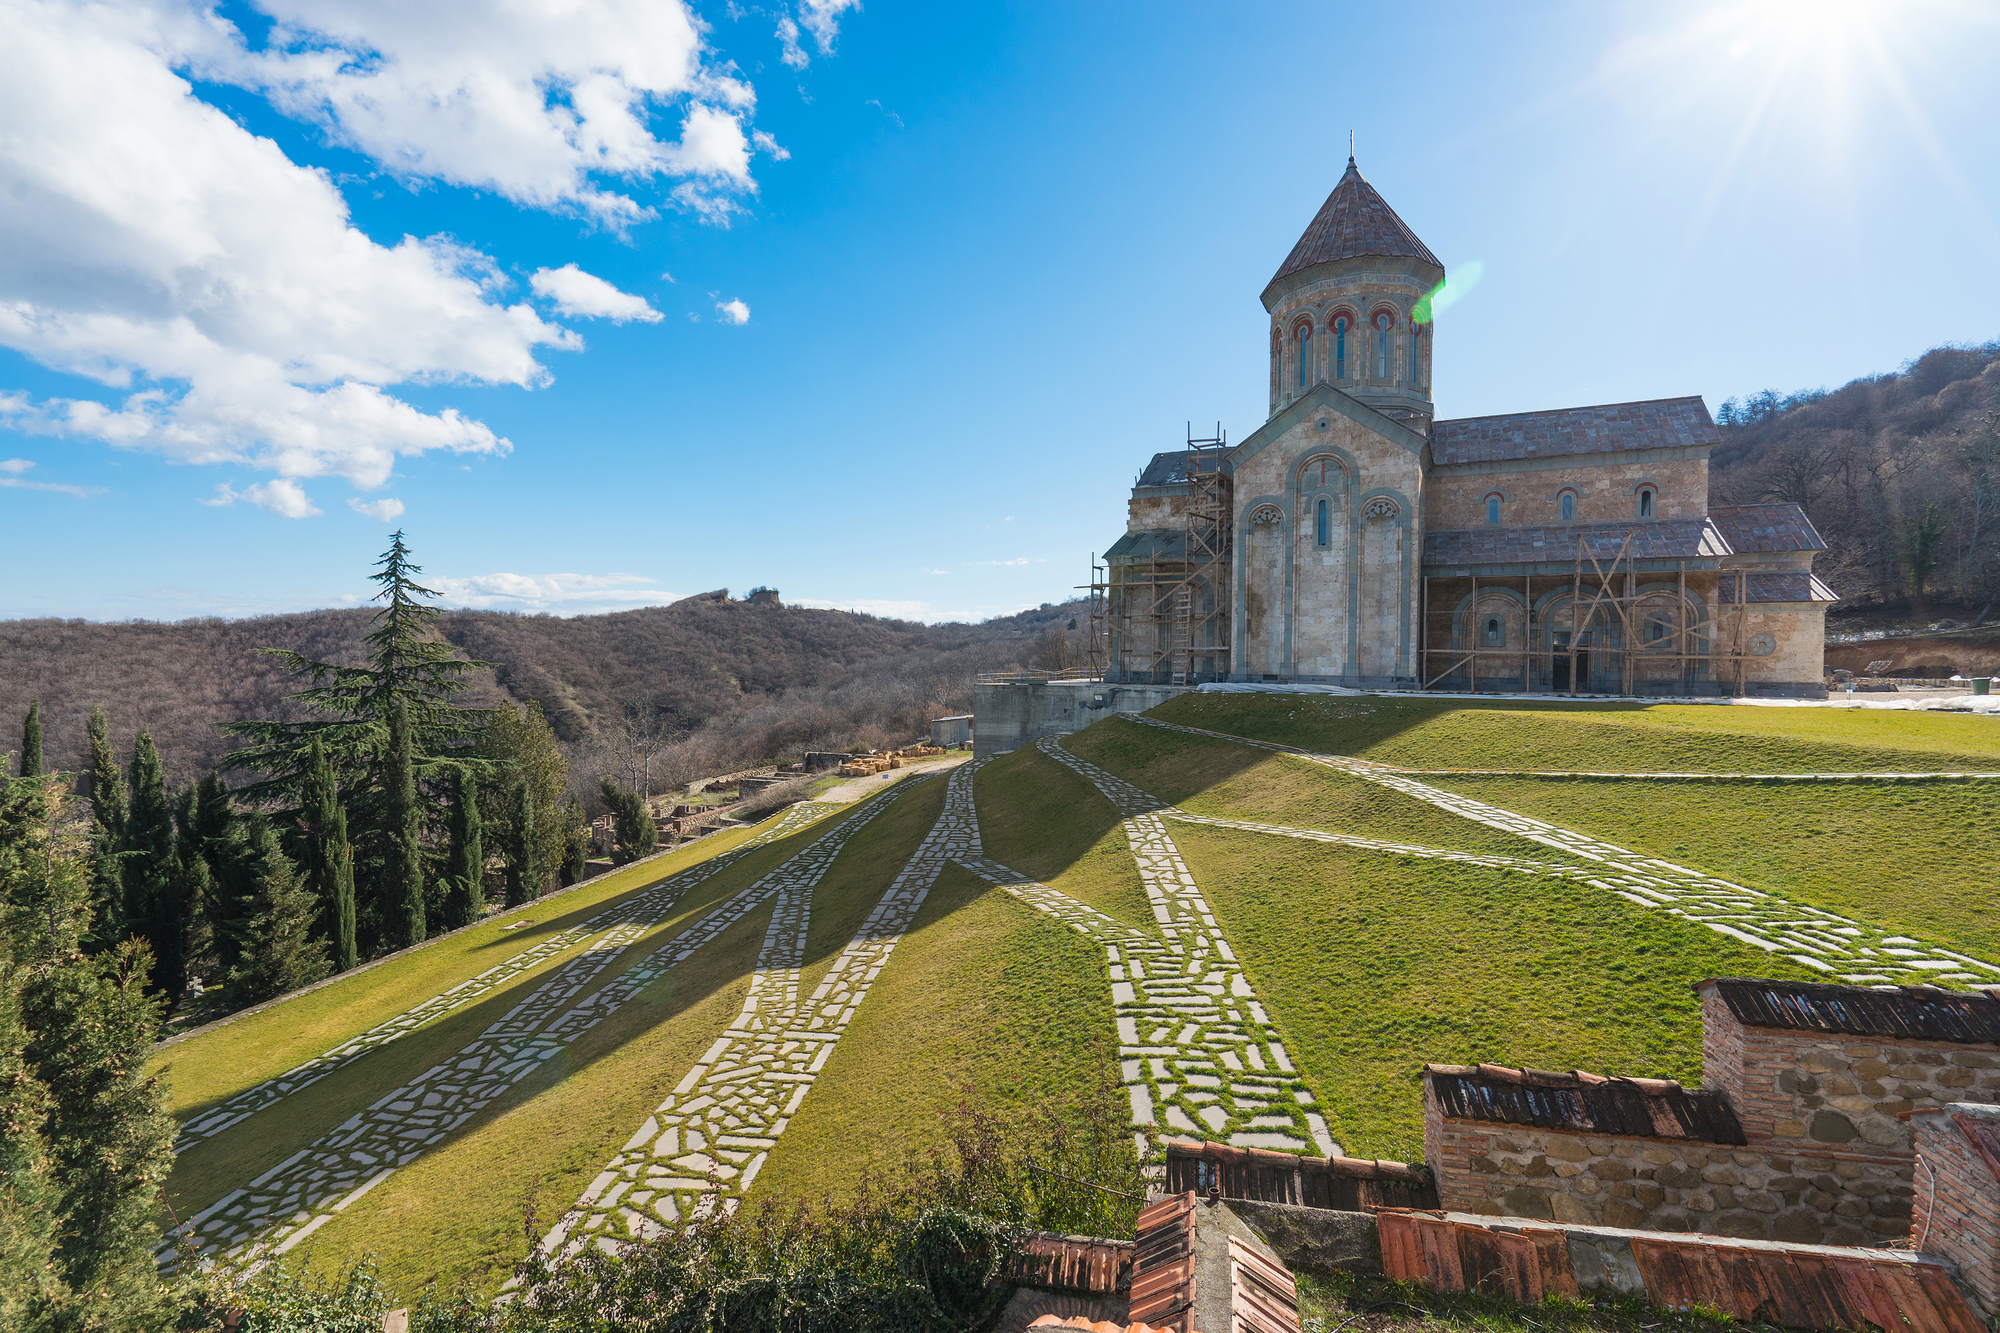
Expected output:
{"points": [[1657, 629], [1496, 633], [1304, 338], [1568, 506], [1340, 347], [1322, 523], [1493, 510], [1382, 325], [1645, 504]]}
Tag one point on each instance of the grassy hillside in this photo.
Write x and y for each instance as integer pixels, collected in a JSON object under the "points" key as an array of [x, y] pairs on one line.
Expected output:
{"points": [[1647, 738]]}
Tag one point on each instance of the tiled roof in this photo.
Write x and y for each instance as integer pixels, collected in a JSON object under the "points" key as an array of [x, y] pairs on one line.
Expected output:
{"points": [[1984, 1136], [1583, 1103], [1149, 544], [1349, 1184], [1792, 585], [1661, 423], [1778, 527], [1163, 1260], [1168, 469], [1861, 1011], [1354, 221], [1661, 539]]}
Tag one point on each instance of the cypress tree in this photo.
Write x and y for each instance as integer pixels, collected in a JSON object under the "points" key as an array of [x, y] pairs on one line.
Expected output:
{"points": [[576, 839], [520, 846], [636, 833], [148, 871], [31, 741], [403, 864], [107, 808], [340, 857], [275, 949], [30, 1292], [318, 804], [194, 889], [466, 868], [212, 827]]}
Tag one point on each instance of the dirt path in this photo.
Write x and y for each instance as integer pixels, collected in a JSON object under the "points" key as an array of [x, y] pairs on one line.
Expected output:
{"points": [[855, 788]]}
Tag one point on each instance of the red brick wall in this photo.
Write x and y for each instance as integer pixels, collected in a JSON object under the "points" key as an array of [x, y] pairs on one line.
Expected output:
{"points": [[1958, 1201]]}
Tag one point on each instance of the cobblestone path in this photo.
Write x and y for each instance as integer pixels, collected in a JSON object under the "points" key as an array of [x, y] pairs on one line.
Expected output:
{"points": [[705, 1144], [315, 1185], [1854, 951], [243, 1105], [1198, 1052]]}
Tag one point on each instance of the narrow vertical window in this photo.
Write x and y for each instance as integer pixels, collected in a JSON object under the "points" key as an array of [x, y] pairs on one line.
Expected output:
{"points": [[1493, 510], [1496, 634], [1645, 504], [1382, 322], [1414, 382], [1321, 522], [1568, 507], [1305, 336], [1340, 347]]}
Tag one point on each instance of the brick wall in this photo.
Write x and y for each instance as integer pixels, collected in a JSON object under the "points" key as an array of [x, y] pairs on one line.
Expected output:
{"points": [[1958, 1194]]}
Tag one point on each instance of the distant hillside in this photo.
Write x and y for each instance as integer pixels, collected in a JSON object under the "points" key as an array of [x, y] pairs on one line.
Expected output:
{"points": [[1866, 460], [738, 673]]}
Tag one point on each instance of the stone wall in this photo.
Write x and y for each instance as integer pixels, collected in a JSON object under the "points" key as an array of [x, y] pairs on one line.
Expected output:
{"points": [[1665, 1184], [1155, 509], [1958, 1202], [1605, 484], [1013, 714]]}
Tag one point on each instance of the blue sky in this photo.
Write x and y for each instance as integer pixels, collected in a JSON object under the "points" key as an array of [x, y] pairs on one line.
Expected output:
{"points": [[891, 325]]}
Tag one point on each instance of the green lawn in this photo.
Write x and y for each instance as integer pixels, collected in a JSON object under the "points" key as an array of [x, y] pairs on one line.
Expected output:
{"points": [[1456, 733], [1043, 819], [1223, 779], [1917, 857], [221, 1062], [984, 993], [1373, 965]]}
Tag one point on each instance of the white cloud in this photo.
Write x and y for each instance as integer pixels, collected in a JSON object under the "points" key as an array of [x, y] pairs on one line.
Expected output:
{"points": [[286, 499], [733, 312], [1022, 561], [668, 276], [532, 99], [586, 296], [551, 592], [14, 467], [388, 511], [764, 143], [821, 18]]}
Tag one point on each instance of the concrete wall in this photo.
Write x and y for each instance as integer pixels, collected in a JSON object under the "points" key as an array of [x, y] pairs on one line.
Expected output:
{"points": [[1011, 715], [1606, 486]]}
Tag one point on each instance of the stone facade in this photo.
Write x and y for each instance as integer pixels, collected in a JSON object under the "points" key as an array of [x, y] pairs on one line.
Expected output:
{"points": [[1328, 564]]}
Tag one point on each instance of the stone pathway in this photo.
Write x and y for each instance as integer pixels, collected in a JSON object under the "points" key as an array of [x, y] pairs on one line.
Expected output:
{"points": [[703, 1146], [292, 1200], [648, 905], [1853, 951], [1198, 1051]]}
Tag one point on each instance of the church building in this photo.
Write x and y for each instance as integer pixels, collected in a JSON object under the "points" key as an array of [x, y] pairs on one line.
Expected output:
{"points": [[1352, 539]]}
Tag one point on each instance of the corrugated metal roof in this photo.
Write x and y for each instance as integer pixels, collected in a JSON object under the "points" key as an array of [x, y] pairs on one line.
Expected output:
{"points": [[1861, 1011], [1355, 221], [1348, 1184], [1659, 423], [1583, 1103], [1773, 527], [1662, 539]]}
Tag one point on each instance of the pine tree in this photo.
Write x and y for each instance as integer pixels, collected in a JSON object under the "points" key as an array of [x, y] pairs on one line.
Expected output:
{"points": [[403, 862], [275, 950], [152, 902], [31, 741], [636, 834], [31, 1295], [465, 869], [340, 855], [522, 882], [107, 808]]}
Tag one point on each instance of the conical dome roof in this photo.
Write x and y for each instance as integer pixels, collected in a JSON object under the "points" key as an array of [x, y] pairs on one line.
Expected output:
{"points": [[1354, 221]]}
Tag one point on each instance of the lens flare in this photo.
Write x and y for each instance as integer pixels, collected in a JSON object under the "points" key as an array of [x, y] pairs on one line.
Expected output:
{"points": [[1448, 293]]}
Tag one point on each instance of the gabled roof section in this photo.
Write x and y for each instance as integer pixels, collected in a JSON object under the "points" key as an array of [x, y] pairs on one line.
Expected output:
{"points": [[1861, 1011], [1167, 469], [1792, 585], [1354, 221], [1774, 527], [1320, 398], [1661, 539], [1659, 423], [1581, 1103], [1148, 544]]}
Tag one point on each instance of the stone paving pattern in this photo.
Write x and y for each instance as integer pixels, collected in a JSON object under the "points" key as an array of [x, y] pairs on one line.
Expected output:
{"points": [[207, 1124], [300, 1195], [703, 1146], [1852, 950]]}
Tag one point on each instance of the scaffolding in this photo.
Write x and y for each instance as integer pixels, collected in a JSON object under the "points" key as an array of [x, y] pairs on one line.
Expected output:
{"points": [[1170, 617], [1720, 642]]}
